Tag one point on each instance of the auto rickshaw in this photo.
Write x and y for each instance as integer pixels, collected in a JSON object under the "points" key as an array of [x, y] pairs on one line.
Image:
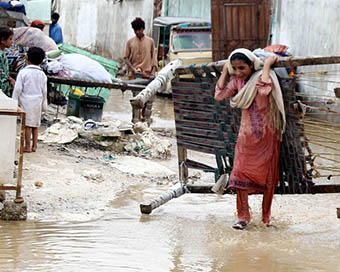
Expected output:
{"points": [[182, 37]]}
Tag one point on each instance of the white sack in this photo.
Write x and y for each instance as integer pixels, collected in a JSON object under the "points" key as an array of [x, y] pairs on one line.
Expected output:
{"points": [[33, 37], [84, 68]]}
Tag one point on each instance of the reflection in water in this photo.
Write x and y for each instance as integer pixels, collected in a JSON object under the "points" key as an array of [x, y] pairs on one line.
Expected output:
{"points": [[191, 233]]}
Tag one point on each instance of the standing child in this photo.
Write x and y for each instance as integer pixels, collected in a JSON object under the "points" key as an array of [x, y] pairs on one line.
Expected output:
{"points": [[254, 88], [6, 82], [31, 91]]}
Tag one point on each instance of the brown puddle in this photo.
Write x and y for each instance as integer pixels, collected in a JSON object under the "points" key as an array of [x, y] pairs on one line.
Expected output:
{"points": [[191, 233]]}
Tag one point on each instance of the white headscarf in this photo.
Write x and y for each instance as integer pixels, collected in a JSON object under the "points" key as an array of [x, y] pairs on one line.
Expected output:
{"points": [[245, 97], [258, 64]]}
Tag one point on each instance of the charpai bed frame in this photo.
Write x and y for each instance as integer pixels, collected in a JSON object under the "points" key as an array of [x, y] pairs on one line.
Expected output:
{"points": [[207, 126]]}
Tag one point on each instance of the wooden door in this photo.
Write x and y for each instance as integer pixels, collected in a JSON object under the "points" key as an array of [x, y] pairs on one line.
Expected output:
{"points": [[239, 23]]}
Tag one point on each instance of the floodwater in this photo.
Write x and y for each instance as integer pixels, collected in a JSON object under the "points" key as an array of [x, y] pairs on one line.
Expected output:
{"points": [[119, 107], [190, 233]]}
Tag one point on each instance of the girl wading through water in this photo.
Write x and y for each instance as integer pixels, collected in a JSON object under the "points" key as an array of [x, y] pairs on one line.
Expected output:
{"points": [[254, 88]]}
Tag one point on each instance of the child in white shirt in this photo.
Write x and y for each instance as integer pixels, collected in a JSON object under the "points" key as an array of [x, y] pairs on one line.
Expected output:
{"points": [[31, 92]]}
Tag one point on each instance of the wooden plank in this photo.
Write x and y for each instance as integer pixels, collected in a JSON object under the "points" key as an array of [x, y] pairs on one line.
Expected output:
{"points": [[193, 98], [198, 165], [196, 147], [196, 131], [182, 168], [192, 84], [201, 141], [316, 189], [89, 83], [326, 189], [196, 124], [197, 114], [200, 189], [209, 134], [196, 106], [193, 91]]}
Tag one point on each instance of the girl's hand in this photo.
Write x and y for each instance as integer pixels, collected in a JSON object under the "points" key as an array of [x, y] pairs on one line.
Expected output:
{"points": [[270, 60], [223, 77], [225, 67]]}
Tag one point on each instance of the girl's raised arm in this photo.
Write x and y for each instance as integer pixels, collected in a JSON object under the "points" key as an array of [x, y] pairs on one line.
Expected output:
{"points": [[269, 61], [224, 76]]}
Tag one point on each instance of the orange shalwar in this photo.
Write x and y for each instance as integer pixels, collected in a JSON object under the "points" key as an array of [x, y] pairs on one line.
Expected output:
{"points": [[256, 161]]}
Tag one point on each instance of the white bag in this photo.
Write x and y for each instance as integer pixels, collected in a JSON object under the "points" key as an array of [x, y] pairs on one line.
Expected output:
{"points": [[84, 68], [31, 36]]}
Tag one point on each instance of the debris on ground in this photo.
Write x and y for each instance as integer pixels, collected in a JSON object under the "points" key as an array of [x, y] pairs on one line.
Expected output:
{"points": [[93, 175], [112, 134], [147, 144], [70, 128], [38, 184]]}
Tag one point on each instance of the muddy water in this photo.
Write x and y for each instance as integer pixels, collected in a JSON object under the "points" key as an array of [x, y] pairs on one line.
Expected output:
{"points": [[191, 233], [119, 107]]}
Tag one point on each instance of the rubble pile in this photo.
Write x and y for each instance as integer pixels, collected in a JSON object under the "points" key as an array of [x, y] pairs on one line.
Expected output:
{"points": [[112, 134], [144, 142]]}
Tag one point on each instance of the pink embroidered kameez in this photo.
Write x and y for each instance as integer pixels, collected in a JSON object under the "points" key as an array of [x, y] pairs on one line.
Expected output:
{"points": [[257, 150]]}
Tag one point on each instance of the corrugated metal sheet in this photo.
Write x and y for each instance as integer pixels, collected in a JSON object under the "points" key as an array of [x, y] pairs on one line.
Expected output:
{"points": [[187, 8], [239, 23]]}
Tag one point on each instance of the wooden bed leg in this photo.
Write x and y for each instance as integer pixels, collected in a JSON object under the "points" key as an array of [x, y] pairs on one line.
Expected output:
{"points": [[183, 169], [175, 191]]}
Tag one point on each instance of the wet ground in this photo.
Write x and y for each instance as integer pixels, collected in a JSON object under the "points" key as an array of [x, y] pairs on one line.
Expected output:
{"points": [[77, 223]]}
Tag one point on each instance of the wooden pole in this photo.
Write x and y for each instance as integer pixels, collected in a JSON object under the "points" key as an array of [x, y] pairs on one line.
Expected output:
{"points": [[175, 68], [164, 76], [17, 188], [315, 189], [175, 191], [19, 198], [282, 62], [123, 85]]}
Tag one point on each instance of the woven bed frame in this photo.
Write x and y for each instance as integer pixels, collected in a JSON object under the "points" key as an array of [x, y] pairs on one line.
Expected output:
{"points": [[211, 127]]}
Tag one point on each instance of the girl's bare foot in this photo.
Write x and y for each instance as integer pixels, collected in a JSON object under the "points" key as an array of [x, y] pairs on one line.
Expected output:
{"points": [[34, 148], [27, 150]]}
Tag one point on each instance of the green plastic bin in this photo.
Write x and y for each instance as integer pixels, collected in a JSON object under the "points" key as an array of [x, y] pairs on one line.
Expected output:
{"points": [[73, 105]]}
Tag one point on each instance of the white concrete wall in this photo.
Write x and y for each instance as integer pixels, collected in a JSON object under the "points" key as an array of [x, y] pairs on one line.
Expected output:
{"points": [[310, 28], [102, 26]]}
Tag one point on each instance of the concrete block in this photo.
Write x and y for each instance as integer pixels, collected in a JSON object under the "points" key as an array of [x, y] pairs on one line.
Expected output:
{"points": [[14, 211]]}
